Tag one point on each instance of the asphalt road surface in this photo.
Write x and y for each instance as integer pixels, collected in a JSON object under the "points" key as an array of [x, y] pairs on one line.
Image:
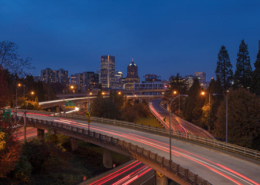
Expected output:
{"points": [[215, 167]]}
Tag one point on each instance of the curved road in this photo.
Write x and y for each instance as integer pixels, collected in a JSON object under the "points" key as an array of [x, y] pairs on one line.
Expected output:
{"points": [[177, 123], [215, 167]]}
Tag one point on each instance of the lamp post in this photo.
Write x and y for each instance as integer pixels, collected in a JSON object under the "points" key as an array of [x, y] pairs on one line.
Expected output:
{"points": [[203, 93], [170, 135], [88, 99], [226, 113]]}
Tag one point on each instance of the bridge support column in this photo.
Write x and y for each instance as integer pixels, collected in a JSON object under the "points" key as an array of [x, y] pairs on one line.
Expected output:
{"points": [[161, 179], [74, 144], [107, 158], [168, 106], [40, 134]]}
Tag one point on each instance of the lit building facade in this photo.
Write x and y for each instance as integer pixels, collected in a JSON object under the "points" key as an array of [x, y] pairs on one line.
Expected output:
{"points": [[189, 79], [151, 78], [151, 86], [48, 76], [77, 79], [99, 75], [201, 77], [118, 76], [62, 76], [132, 76], [108, 71], [90, 81]]}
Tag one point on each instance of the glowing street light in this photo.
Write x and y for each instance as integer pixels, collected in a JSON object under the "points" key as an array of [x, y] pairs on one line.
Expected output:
{"points": [[103, 93], [32, 93], [174, 92], [203, 93], [119, 92], [72, 86]]}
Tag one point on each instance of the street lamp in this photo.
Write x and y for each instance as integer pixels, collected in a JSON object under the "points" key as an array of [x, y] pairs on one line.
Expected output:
{"points": [[175, 92], [88, 99], [203, 93], [226, 113], [103, 93], [170, 135]]}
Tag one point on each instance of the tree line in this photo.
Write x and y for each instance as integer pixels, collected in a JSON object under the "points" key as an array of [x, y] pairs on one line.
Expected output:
{"points": [[242, 89]]}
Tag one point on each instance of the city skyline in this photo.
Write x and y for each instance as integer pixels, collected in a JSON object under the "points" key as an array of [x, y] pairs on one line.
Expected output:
{"points": [[179, 36]]}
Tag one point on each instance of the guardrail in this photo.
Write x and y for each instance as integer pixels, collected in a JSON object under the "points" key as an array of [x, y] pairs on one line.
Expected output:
{"points": [[204, 140], [154, 158]]}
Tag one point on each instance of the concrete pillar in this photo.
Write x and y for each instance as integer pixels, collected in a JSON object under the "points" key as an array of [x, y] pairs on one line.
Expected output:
{"points": [[57, 109], [168, 106], [161, 179], [74, 144], [40, 134], [107, 158]]}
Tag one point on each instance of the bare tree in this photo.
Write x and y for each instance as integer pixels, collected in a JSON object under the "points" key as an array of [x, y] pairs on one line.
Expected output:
{"points": [[9, 58]]}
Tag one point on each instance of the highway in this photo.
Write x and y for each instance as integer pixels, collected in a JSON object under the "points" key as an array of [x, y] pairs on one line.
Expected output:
{"points": [[177, 123], [215, 167], [135, 173]]}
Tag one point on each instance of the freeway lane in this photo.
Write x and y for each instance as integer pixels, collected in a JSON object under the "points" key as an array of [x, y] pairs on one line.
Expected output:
{"points": [[216, 167], [178, 124], [126, 175]]}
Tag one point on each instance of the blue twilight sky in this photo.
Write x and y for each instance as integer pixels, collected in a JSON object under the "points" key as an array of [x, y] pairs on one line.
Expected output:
{"points": [[163, 37]]}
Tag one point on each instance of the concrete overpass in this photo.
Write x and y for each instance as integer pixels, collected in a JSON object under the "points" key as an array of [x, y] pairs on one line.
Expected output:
{"points": [[127, 92], [207, 159], [86, 99]]}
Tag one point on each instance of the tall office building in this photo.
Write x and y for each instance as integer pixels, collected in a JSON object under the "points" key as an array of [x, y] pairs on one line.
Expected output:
{"points": [[90, 81], [201, 77], [77, 79], [108, 71], [61, 76], [132, 76], [118, 76], [99, 75], [48, 76], [188, 80]]}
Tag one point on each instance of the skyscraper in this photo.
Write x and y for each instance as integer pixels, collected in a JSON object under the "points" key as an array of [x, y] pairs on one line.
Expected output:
{"points": [[108, 71], [61, 76], [90, 80], [77, 79], [132, 76], [48, 76], [259, 45]]}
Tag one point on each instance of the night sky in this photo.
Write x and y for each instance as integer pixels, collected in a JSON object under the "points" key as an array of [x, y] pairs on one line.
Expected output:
{"points": [[163, 37]]}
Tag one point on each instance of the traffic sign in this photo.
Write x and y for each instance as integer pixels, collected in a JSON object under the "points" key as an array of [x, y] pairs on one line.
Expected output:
{"points": [[69, 105], [6, 115], [164, 119], [89, 120], [88, 114]]}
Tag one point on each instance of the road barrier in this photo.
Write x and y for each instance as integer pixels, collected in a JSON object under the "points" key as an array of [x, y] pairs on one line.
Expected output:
{"points": [[203, 140], [133, 150]]}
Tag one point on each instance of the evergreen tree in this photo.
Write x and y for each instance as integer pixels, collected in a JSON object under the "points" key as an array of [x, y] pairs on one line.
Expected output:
{"points": [[194, 103], [255, 83], [209, 111], [243, 119], [176, 84], [243, 72], [224, 68]]}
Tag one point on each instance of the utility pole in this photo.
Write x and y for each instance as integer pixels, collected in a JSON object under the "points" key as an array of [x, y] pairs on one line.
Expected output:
{"points": [[25, 126]]}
